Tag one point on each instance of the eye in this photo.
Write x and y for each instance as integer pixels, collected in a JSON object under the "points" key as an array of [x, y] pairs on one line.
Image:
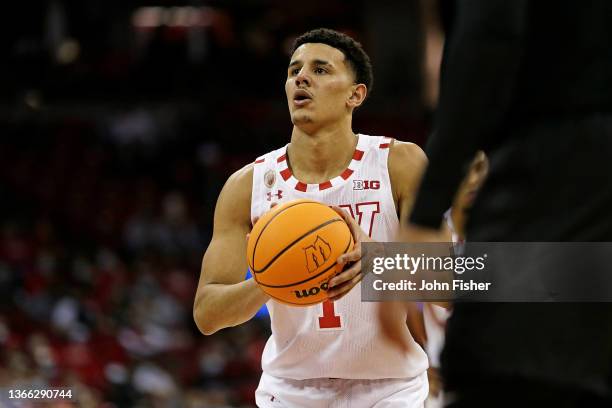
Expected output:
{"points": [[319, 70], [294, 71]]}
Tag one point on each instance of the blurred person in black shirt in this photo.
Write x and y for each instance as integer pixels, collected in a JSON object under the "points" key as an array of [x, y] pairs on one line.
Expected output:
{"points": [[528, 82]]}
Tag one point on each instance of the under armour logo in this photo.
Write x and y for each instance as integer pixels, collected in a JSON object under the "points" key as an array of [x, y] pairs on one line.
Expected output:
{"points": [[317, 254], [279, 195]]}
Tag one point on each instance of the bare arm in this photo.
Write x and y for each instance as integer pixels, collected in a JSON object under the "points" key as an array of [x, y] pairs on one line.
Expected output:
{"points": [[224, 298], [407, 163]]}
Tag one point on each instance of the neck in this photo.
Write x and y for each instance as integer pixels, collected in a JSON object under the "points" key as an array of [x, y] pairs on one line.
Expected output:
{"points": [[321, 155]]}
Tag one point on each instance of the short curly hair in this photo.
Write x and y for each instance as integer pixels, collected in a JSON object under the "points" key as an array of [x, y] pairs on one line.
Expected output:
{"points": [[353, 52]]}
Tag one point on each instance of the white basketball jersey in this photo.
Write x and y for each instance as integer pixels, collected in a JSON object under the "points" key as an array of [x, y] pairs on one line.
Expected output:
{"points": [[340, 339]]}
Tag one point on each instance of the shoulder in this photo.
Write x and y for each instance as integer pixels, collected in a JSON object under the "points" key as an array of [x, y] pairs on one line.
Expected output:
{"points": [[406, 164], [235, 198], [241, 180], [406, 159]]}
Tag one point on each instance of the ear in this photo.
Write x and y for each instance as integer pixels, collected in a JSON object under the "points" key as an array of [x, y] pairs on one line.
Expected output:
{"points": [[358, 95]]}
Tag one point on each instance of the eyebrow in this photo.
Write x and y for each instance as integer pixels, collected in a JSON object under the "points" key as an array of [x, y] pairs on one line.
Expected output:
{"points": [[316, 62]]}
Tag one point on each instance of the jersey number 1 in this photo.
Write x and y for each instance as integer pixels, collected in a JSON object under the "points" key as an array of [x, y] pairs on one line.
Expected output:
{"points": [[329, 320], [366, 212]]}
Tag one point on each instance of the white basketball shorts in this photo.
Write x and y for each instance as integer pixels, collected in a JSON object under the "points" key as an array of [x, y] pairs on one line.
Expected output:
{"points": [[274, 392]]}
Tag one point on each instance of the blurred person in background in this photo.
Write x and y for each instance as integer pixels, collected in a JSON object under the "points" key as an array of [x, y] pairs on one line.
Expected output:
{"points": [[528, 83], [331, 352], [435, 316], [458, 215]]}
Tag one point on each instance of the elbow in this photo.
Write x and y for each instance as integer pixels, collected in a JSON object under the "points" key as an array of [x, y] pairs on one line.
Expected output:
{"points": [[203, 324], [207, 330], [203, 320]]}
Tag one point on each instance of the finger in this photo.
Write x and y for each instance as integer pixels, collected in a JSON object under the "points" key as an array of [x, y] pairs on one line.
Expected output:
{"points": [[255, 219], [341, 212], [345, 276], [344, 214], [352, 256], [340, 292], [346, 217]]}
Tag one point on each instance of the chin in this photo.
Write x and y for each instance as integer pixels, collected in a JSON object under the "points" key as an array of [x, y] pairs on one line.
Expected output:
{"points": [[301, 119]]}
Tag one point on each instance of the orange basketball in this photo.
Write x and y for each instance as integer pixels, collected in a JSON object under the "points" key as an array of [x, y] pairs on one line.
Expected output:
{"points": [[293, 248]]}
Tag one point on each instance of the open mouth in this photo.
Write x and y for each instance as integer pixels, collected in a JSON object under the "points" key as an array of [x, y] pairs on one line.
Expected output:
{"points": [[301, 98]]}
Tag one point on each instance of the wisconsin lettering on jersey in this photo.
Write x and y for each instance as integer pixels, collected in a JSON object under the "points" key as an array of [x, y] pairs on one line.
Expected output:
{"points": [[364, 214]]}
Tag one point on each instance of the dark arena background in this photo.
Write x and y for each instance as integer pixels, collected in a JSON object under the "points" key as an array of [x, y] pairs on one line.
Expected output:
{"points": [[120, 123]]}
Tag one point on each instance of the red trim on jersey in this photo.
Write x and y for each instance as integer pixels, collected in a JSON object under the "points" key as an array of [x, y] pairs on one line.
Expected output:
{"points": [[346, 173], [386, 145], [301, 186], [286, 174], [260, 161], [282, 158], [326, 185], [358, 154]]}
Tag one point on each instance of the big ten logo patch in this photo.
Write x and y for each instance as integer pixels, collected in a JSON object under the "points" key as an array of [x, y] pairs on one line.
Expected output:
{"points": [[366, 184], [316, 254]]}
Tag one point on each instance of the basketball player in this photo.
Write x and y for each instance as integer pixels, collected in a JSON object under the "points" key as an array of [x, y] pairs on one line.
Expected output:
{"points": [[526, 81], [435, 316], [329, 354]]}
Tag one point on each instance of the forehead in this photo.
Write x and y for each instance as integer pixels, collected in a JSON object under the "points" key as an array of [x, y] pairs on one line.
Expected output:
{"points": [[318, 51]]}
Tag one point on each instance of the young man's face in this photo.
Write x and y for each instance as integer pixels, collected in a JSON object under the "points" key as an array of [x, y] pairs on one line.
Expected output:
{"points": [[319, 85]]}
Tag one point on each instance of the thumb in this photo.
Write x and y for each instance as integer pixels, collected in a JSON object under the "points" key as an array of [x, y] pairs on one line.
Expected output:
{"points": [[350, 221]]}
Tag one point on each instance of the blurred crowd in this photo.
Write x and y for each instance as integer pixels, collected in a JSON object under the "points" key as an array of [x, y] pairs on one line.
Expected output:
{"points": [[97, 278]]}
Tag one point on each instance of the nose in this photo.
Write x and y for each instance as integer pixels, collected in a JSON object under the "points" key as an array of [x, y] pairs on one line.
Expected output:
{"points": [[302, 79]]}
